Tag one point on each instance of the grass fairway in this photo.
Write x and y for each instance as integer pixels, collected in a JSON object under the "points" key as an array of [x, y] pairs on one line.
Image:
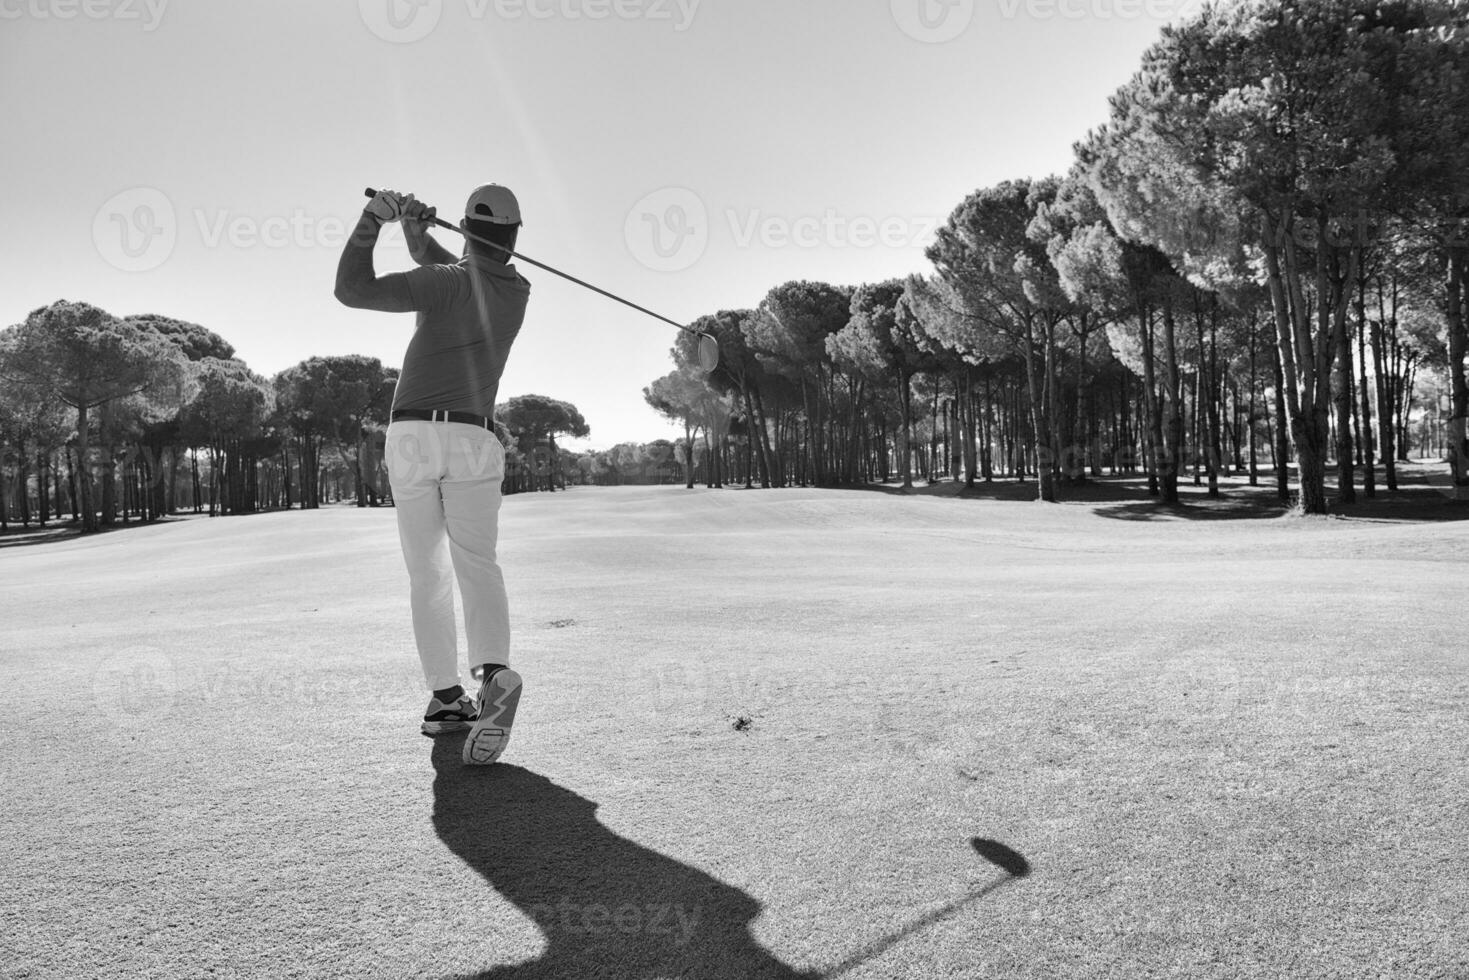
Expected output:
{"points": [[759, 732]]}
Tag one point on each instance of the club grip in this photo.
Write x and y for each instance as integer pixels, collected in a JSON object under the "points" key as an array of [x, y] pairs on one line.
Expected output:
{"points": [[370, 192]]}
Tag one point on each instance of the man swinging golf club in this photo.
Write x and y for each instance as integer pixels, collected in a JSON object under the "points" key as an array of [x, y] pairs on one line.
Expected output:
{"points": [[445, 463]]}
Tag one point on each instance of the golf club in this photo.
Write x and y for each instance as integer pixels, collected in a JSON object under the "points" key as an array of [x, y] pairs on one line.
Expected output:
{"points": [[708, 346], [1011, 862]]}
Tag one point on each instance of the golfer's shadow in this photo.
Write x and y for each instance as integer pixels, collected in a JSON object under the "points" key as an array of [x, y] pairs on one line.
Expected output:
{"points": [[608, 908]]}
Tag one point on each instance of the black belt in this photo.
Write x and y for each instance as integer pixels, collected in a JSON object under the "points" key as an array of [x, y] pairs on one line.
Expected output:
{"points": [[423, 415]]}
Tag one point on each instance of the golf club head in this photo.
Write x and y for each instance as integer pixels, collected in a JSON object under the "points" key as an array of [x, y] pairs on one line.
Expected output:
{"points": [[1010, 861], [708, 353]]}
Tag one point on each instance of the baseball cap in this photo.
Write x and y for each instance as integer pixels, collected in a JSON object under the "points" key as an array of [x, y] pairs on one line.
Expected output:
{"points": [[493, 203]]}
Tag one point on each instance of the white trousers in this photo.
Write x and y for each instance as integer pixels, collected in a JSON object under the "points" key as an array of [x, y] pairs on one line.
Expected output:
{"points": [[446, 489]]}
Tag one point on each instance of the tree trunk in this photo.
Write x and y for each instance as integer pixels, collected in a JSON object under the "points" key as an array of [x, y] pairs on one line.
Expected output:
{"points": [[1384, 385], [43, 499], [84, 477], [194, 477], [754, 437], [109, 467], [688, 441], [1254, 387], [773, 474], [1153, 438], [1300, 366], [1173, 409], [359, 470], [23, 481], [1311, 435], [1280, 448], [1369, 439], [1053, 411], [1216, 397], [905, 434], [968, 431], [1041, 424], [1343, 383], [1458, 344]]}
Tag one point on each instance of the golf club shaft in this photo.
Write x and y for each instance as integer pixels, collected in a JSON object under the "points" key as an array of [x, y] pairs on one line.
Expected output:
{"points": [[371, 192], [876, 949]]}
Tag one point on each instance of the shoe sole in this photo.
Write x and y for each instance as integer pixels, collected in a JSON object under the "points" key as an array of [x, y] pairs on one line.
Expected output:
{"points": [[436, 728], [490, 735]]}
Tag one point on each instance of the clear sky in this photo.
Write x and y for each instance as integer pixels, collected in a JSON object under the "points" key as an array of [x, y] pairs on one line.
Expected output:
{"points": [[201, 158]]}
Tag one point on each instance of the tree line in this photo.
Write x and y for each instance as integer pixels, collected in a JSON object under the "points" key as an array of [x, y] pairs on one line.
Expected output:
{"points": [[1261, 257], [126, 418]]}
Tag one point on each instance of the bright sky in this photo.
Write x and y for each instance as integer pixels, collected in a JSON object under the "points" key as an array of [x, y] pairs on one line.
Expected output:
{"points": [[201, 158]]}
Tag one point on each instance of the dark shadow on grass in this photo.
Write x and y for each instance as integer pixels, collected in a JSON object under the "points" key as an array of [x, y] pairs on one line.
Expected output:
{"points": [[955, 489], [1406, 505], [1124, 498], [64, 530], [1419, 500], [1222, 509], [606, 906], [24, 537]]}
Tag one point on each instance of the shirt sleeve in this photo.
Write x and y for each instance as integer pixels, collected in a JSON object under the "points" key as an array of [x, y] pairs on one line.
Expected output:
{"points": [[435, 288]]}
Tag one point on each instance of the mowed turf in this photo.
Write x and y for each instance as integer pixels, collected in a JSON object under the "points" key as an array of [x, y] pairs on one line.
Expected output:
{"points": [[760, 730]]}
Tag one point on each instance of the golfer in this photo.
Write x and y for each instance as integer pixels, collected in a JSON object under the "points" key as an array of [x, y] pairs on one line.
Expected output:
{"points": [[445, 463]]}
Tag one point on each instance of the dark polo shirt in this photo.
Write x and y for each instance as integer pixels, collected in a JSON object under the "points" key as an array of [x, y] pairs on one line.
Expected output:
{"points": [[469, 315]]}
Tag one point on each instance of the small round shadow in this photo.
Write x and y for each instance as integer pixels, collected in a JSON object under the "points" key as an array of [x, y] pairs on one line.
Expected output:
{"points": [[1010, 861]]}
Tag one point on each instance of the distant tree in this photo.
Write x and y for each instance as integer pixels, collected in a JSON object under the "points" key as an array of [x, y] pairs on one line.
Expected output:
{"points": [[339, 401], [628, 462], [1071, 225], [788, 336], [301, 422], [1431, 132], [536, 421], [681, 396], [1269, 126], [879, 343], [1005, 284], [227, 415], [159, 442], [661, 461], [741, 375], [193, 341], [87, 359], [32, 427]]}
